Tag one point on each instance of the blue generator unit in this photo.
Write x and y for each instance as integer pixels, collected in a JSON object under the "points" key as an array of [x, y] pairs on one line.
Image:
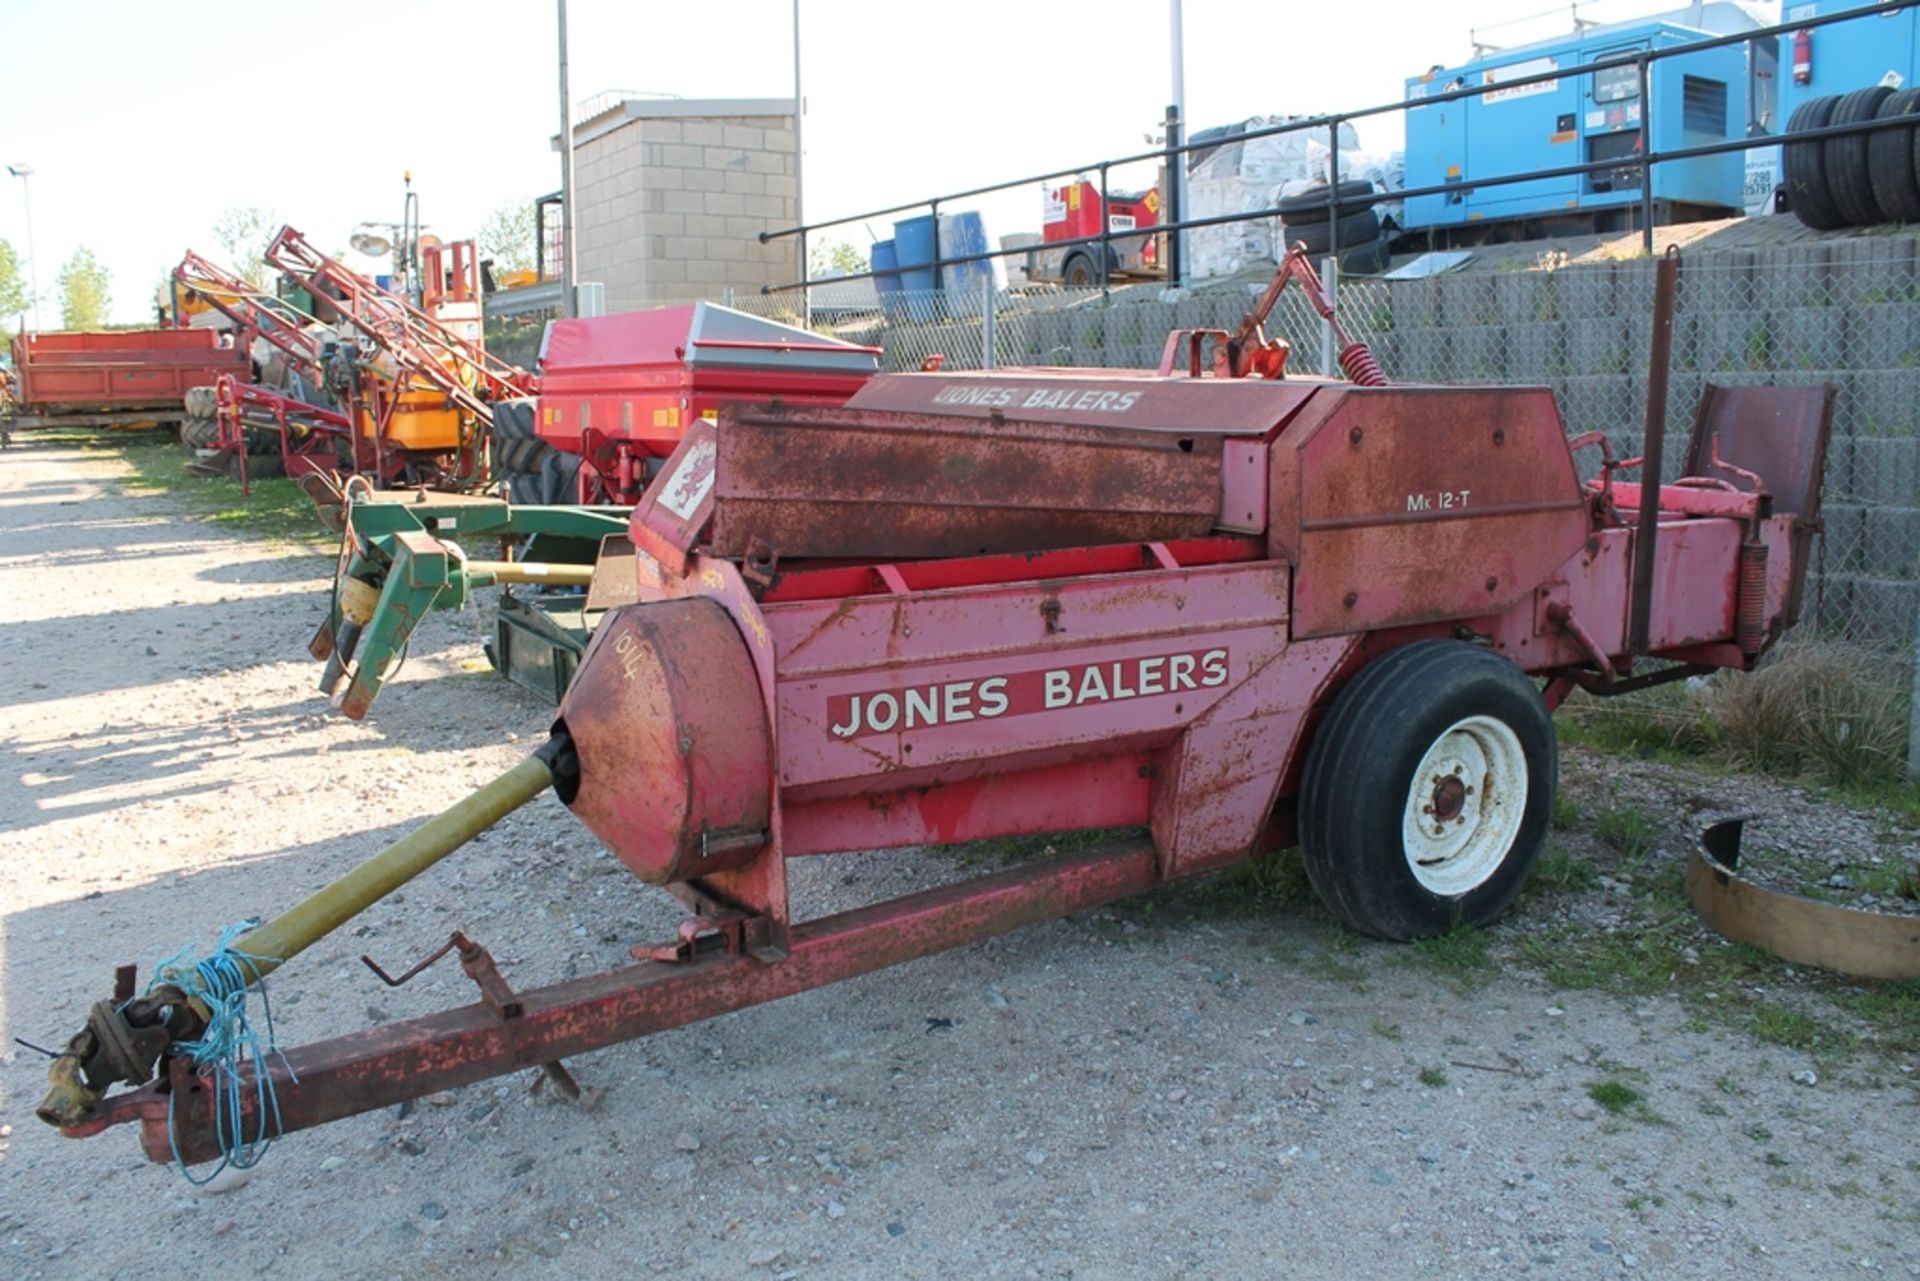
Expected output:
{"points": [[1575, 117], [1878, 49]]}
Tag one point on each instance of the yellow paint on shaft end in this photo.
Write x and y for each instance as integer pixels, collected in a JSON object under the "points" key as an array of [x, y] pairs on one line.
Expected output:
{"points": [[311, 920]]}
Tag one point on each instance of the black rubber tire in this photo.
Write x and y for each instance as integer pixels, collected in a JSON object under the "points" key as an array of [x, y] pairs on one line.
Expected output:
{"points": [[1355, 229], [524, 490], [1359, 774], [264, 466], [1080, 273], [517, 446], [1366, 259], [1846, 158], [1804, 167], [198, 433], [1311, 205], [516, 419], [520, 455], [1893, 159], [560, 479]]}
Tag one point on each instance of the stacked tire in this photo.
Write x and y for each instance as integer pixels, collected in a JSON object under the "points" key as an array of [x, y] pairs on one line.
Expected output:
{"points": [[534, 472], [1305, 220], [200, 426], [1860, 180]]}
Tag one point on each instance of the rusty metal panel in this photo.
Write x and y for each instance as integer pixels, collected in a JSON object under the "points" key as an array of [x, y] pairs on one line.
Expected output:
{"points": [[1695, 568], [1779, 434], [848, 482], [1408, 505]]}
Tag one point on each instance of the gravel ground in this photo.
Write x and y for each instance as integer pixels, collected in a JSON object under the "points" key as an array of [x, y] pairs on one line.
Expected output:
{"points": [[1210, 1081]]}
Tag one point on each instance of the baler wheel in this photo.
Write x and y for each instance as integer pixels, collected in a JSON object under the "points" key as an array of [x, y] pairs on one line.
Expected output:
{"points": [[1428, 791]]}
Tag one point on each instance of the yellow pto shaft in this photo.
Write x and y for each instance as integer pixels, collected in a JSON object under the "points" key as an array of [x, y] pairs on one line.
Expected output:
{"points": [[326, 910]]}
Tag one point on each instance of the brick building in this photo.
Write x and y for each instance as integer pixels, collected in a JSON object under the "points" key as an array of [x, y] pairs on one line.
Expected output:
{"points": [[673, 193]]}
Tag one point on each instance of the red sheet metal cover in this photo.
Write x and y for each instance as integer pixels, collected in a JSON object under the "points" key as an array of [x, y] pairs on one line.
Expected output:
{"points": [[875, 483], [1132, 398], [619, 341]]}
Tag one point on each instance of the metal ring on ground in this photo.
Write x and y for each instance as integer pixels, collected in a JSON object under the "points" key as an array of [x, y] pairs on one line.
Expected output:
{"points": [[1851, 940]]}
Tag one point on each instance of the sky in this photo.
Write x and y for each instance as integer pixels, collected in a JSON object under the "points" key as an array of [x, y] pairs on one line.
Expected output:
{"points": [[144, 119]]}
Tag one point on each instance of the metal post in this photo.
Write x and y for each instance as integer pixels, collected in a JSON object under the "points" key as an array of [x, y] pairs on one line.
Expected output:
{"points": [[799, 202], [987, 301], [24, 171], [1175, 204], [1646, 530], [1330, 278], [569, 255], [1913, 724], [1106, 237], [1333, 189], [1177, 174], [1646, 149], [933, 211]]}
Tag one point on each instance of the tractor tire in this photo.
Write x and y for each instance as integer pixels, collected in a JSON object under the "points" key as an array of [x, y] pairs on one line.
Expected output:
{"points": [[524, 490], [198, 433], [517, 447], [1355, 229], [1893, 159], [1311, 205], [560, 479], [1435, 735], [1080, 273], [520, 455], [516, 419], [264, 466], [1846, 158], [1804, 167]]}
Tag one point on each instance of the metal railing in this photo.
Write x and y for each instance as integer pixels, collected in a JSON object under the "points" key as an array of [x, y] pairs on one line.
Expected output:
{"points": [[1644, 161]]}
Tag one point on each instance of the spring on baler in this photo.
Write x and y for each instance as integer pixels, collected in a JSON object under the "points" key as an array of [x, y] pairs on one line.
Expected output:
{"points": [[1357, 363], [1750, 615]]}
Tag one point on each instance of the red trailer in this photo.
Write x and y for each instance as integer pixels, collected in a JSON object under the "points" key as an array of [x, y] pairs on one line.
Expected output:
{"points": [[115, 377], [1074, 212], [621, 390]]}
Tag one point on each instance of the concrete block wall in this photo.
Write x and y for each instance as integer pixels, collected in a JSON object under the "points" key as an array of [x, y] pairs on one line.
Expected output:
{"points": [[671, 201]]}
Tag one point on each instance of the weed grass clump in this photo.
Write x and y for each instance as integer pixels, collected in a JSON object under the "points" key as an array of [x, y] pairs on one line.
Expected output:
{"points": [[1819, 710]]}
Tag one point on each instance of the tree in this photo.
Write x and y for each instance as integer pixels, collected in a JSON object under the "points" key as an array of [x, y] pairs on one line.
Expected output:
{"points": [[243, 234], [507, 237], [835, 258], [14, 295], [84, 294]]}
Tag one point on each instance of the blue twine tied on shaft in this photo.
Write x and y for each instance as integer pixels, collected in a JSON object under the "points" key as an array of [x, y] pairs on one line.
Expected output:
{"points": [[222, 983]]}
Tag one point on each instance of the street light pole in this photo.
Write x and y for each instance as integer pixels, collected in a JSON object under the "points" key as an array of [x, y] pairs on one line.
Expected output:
{"points": [[24, 171], [799, 178], [1178, 178], [569, 258]]}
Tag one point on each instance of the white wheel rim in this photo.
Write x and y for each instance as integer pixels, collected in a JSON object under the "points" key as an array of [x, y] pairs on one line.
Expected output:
{"points": [[1464, 806]]}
